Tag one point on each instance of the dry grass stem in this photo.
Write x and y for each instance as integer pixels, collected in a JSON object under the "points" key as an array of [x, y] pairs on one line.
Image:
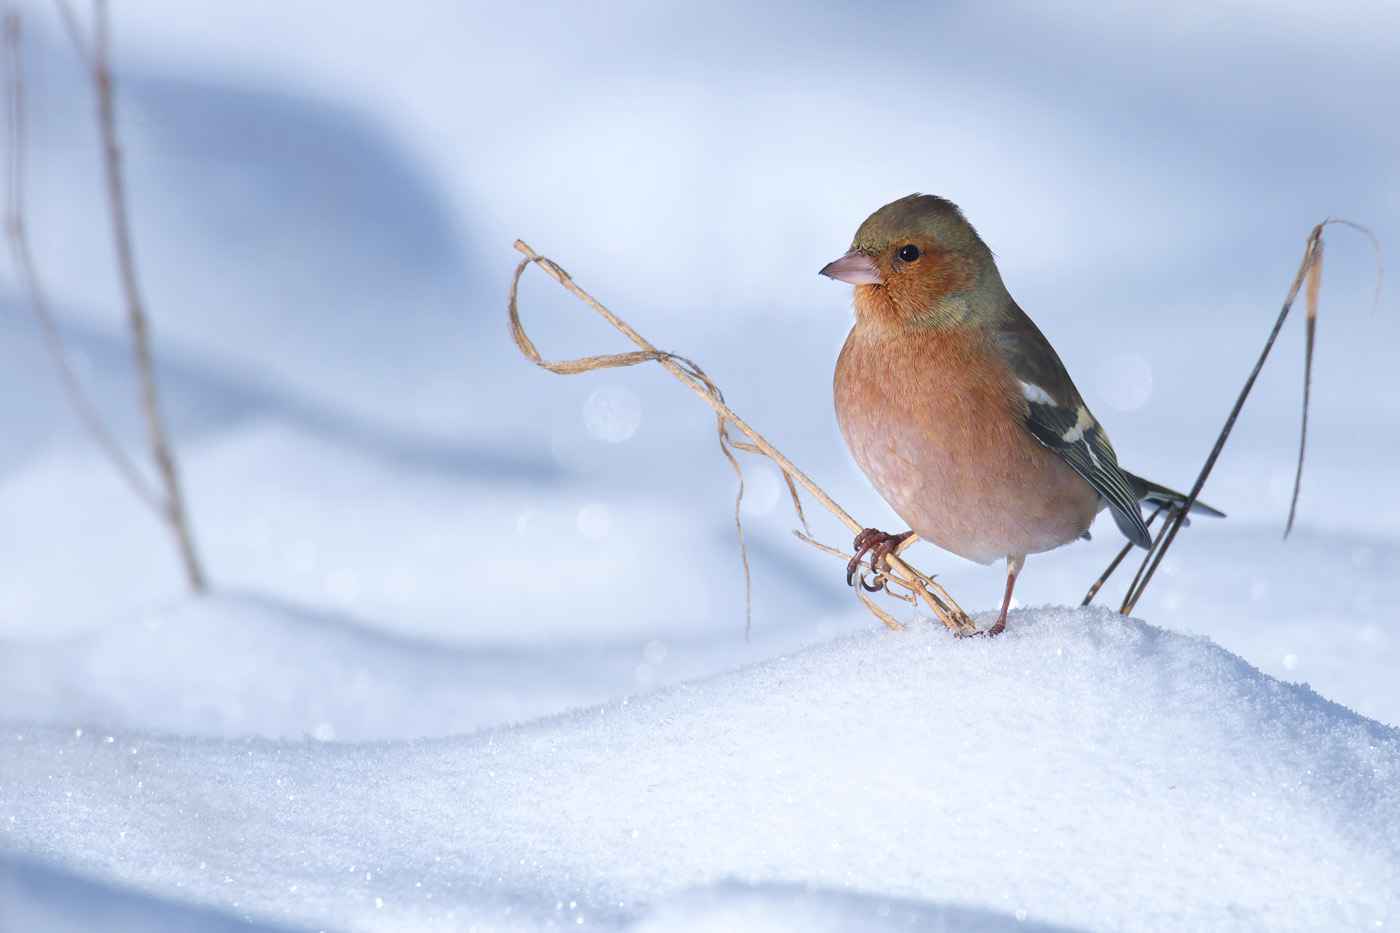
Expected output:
{"points": [[167, 501], [1309, 274], [1113, 565], [1314, 281], [900, 573], [18, 236], [136, 310]]}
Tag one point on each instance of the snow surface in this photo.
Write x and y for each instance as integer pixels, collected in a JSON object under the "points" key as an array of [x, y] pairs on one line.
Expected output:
{"points": [[1058, 774], [483, 624]]}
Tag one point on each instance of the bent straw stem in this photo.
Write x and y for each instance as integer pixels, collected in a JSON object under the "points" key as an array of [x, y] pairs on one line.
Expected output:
{"points": [[937, 598]]}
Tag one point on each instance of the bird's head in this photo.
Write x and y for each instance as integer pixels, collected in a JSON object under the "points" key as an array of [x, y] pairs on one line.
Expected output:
{"points": [[920, 260]]}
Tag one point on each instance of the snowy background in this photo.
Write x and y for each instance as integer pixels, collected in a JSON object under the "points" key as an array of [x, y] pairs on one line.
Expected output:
{"points": [[475, 656]]}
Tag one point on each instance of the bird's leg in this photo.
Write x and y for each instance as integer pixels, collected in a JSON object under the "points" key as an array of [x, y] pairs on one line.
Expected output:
{"points": [[1013, 567], [879, 545]]}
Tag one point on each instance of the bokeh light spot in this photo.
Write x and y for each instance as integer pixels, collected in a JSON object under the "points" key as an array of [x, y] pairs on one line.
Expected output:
{"points": [[612, 413], [1125, 381]]}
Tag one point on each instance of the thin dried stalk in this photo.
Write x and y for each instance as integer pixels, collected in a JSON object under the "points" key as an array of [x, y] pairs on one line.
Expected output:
{"points": [[167, 501], [1309, 272], [18, 235], [136, 313], [1113, 565], [937, 599], [1314, 280], [1139, 579], [878, 611]]}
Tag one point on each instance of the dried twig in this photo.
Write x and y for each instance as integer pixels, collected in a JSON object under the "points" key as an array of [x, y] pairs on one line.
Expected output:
{"points": [[136, 312], [1113, 565], [1309, 271], [29, 278], [1314, 279], [168, 502], [917, 584]]}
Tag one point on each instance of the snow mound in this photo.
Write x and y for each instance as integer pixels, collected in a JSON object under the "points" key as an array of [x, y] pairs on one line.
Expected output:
{"points": [[733, 907], [1084, 770], [238, 665], [38, 899]]}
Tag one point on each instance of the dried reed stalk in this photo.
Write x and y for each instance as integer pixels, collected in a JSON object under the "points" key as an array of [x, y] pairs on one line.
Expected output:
{"points": [[168, 501], [1309, 273], [135, 306], [915, 584], [23, 256]]}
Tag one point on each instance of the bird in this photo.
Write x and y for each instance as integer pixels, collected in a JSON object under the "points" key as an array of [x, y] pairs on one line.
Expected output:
{"points": [[957, 408]]}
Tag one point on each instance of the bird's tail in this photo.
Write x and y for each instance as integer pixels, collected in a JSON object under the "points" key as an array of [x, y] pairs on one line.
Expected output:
{"points": [[1150, 492]]}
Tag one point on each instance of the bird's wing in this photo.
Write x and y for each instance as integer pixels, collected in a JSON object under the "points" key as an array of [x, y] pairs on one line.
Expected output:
{"points": [[1057, 416]]}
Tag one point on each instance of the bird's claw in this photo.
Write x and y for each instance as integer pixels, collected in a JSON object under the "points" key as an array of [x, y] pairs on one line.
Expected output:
{"points": [[875, 587], [878, 545], [864, 540]]}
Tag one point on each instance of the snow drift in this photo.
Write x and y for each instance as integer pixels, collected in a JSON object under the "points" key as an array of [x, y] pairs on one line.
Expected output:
{"points": [[1085, 770]]}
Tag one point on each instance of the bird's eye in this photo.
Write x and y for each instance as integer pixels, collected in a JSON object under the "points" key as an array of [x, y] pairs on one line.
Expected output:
{"points": [[909, 252]]}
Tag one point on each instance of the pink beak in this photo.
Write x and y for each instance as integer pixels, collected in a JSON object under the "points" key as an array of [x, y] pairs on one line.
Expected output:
{"points": [[854, 267]]}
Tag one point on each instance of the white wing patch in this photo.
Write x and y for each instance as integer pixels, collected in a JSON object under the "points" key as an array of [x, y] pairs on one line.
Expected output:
{"points": [[1087, 450], [1036, 394]]}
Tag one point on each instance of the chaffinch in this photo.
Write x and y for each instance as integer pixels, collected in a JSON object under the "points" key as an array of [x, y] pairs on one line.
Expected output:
{"points": [[958, 409]]}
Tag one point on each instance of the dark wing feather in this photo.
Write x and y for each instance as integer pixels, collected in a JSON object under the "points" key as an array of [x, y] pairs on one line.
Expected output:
{"points": [[1057, 417], [1155, 494]]}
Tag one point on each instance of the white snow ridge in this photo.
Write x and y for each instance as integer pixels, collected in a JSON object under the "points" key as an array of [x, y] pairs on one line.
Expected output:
{"points": [[1083, 771]]}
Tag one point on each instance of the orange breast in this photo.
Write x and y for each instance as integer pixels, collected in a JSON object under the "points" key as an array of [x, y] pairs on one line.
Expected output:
{"points": [[931, 418]]}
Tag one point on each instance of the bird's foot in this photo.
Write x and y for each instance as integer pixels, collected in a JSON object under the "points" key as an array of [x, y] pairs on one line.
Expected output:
{"points": [[878, 545]]}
